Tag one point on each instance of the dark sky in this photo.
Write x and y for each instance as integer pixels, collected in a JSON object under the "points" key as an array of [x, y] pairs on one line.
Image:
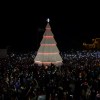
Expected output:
{"points": [[23, 26]]}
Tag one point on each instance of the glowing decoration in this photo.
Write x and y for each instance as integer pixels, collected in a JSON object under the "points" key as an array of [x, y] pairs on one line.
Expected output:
{"points": [[48, 44], [94, 45], [48, 20], [47, 37], [48, 52]]}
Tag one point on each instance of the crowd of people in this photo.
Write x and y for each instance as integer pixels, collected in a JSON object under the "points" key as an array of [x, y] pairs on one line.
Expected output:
{"points": [[78, 78]]}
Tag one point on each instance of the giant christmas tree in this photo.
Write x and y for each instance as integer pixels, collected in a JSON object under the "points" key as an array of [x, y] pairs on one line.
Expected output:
{"points": [[48, 52]]}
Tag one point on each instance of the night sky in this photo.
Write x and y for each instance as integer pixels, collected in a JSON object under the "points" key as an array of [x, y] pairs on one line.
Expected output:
{"points": [[23, 27]]}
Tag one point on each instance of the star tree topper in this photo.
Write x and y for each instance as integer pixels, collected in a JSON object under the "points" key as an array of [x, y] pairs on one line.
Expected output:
{"points": [[48, 20]]}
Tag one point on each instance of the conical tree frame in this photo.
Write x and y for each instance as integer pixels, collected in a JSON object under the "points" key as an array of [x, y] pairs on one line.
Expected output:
{"points": [[48, 52]]}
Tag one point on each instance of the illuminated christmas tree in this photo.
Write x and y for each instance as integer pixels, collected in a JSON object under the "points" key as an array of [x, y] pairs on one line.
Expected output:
{"points": [[48, 52]]}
